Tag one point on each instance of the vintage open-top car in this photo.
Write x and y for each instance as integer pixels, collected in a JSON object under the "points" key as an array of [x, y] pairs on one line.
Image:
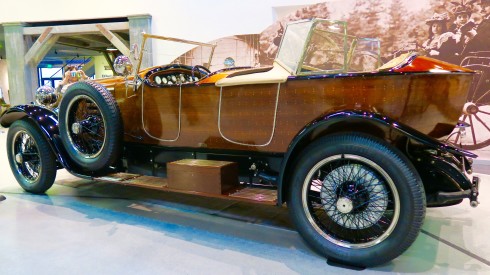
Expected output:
{"points": [[354, 153]]}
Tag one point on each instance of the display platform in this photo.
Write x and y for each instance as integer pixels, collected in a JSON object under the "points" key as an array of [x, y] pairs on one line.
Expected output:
{"points": [[84, 226]]}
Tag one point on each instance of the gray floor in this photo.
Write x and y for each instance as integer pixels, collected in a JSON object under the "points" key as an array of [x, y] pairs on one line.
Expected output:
{"points": [[83, 227]]}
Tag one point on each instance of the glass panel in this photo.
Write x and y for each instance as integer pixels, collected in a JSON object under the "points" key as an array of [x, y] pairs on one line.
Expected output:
{"points": [[365, 55], [293, 44], [327, 48], [322, 46], [51, 72], [57, 82], [167, 50], [197, 56]]}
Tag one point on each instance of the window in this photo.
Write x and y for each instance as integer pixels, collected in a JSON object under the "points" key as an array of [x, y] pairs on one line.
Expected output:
{"points": [[50, 76]]}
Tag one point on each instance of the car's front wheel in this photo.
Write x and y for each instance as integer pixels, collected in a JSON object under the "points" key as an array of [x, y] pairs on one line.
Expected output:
{"points": [[90, 126], [31, 159], [356, 199]]}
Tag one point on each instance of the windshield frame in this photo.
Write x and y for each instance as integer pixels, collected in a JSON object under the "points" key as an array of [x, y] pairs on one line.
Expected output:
{"points": [[297, 70], [146, 36]]}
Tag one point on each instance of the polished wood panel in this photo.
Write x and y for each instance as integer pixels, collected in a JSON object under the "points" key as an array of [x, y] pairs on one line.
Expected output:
{"points": [[206, 176], [427, 64], [243, 118], [241, 193], [424, 101], [256, 195], [161, 105]]}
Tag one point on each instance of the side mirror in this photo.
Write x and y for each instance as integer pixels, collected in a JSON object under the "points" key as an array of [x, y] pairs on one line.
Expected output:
{"points": [[123, 65]]}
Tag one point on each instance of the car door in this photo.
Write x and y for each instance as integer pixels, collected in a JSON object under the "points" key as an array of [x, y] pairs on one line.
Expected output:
{"points": [[161, 109], [247, 113]]}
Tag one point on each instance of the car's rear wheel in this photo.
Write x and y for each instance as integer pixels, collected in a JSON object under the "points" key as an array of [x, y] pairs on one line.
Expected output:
{"points": [[30, 157], [90, 126], [356, 199]]}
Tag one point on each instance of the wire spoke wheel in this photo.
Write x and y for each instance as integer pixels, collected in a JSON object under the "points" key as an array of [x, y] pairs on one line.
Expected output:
{"points": [[476, 111], [30, 156], [91, 128], [351, 201], [26, 154], [477, 135], [86, 127], [356, 199]]}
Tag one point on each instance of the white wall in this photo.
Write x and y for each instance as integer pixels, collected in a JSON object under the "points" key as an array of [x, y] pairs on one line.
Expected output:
{"points": [[190, 19], [4, 81], [100, 65]]}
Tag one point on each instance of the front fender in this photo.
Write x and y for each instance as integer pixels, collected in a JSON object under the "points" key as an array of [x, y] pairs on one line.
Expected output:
{"points": [[383, 122], [47, 121]]}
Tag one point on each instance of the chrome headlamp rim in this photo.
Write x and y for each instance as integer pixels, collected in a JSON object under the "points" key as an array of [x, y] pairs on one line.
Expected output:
{"points": [[123, 65], [46, 96]]}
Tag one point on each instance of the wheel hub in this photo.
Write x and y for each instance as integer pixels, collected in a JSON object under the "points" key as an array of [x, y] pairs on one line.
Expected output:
{"points": [[76, 128], [470, 108], [89, 125], [345, 205], [353, 196], [18, 158]]}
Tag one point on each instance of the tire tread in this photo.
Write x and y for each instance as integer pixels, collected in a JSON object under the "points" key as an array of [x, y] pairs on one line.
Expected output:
{"points": [[48, 159], [364, 144], [113, 147]]}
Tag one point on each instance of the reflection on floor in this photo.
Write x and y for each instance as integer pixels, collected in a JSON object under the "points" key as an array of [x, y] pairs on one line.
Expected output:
{"points": [[87, 227]]}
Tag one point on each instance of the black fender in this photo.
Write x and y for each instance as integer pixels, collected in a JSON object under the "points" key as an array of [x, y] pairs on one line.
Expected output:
{"points": [[383, 122], [444, 175], [47, 121]]}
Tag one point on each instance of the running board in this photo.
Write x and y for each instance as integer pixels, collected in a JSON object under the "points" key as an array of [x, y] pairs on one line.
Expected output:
{"points": [[241, 193]]}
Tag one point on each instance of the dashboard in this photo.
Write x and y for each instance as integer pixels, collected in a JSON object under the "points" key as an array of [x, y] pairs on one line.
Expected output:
{"points": [[174, 74], [174, 78]]}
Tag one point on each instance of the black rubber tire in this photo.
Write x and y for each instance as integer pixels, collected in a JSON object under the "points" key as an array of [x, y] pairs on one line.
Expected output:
{"points": [[47, 159], [406, 180], [109, 110]]}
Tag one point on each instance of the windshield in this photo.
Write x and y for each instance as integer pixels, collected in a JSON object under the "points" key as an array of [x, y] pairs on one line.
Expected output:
{"points": [[293, 43], [321, 46], [166, 50], [365, 55]]}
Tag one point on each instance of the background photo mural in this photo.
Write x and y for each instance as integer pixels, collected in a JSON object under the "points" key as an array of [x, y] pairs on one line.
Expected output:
{"points": [[455, 31]]}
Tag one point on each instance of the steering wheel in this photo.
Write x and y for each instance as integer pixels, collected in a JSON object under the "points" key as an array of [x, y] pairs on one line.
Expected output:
{"points": [[200, 69]]}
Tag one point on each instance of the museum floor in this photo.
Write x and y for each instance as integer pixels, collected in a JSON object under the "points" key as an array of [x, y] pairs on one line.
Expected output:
{"points": [[84, 227]]}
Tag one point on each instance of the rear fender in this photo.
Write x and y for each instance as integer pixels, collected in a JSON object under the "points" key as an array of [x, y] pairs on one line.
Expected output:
{"points": [[444, 175], [376, 124]]}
